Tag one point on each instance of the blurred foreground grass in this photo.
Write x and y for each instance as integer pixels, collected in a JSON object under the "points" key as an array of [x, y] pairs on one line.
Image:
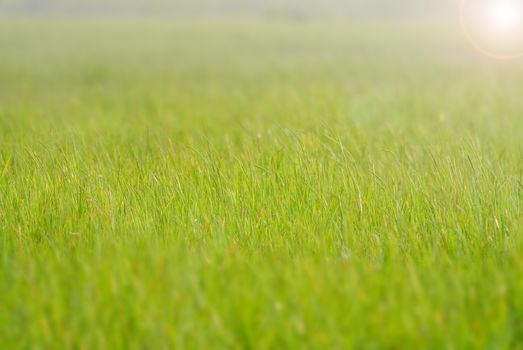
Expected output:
{"points": [[257, 185]]}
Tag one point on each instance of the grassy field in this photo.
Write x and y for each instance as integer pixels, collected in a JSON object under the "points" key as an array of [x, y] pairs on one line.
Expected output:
{"points": [[257, 185]]}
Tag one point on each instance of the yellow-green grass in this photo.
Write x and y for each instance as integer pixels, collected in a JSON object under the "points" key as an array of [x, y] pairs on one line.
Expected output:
{"points": [[221, 184]]}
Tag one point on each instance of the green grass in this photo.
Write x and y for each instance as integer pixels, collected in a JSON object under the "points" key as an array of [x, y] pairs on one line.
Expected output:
{"points": [[255, 185]]}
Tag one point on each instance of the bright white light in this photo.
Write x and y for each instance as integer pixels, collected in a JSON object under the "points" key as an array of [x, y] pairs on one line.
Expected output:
{"points": [[504, 16], [494, 27]]}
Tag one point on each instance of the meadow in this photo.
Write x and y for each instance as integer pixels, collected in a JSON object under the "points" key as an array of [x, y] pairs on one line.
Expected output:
{"points": [[257, 184]]}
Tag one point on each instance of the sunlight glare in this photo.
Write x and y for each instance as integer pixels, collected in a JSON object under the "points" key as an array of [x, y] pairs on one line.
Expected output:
{"points": [[504, 16], [494, 27]]}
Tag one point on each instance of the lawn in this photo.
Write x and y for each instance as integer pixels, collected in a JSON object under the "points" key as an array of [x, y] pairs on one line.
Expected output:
{"points": [[257, 184]]}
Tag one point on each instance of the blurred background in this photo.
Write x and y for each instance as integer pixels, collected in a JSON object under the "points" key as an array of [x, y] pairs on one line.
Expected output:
{"points": [[295, 9]]}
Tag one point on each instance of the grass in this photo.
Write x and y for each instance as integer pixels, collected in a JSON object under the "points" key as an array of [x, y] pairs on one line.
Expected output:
{"points": [[257, 185]]}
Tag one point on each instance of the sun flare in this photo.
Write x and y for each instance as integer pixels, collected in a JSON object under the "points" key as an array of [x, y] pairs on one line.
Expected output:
{"points": [[504, 16], [494, 27]]}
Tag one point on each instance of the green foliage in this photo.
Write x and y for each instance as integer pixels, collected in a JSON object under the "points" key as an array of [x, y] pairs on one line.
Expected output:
{"points": [[249, 185]]}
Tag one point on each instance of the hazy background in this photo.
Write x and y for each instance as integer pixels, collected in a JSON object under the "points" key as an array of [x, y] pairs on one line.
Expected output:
{"points": [[295, 9]]}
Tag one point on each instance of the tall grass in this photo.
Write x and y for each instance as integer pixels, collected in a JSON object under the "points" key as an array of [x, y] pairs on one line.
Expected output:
{"points": [[251, 185]]}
